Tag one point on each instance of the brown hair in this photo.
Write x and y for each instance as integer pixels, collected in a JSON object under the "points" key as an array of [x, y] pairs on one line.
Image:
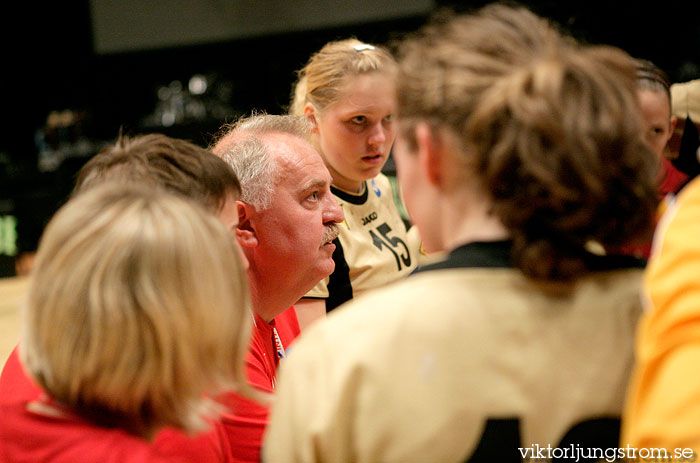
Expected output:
{"points": [[320, 80], [552, 130], [176, 165]]}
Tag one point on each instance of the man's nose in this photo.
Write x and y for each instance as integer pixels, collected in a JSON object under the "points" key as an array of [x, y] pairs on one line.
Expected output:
{"points": [[333, 212]]}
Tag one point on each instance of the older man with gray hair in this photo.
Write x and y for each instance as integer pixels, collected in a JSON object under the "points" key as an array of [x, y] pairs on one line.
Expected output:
{"points": [[287, 222]]}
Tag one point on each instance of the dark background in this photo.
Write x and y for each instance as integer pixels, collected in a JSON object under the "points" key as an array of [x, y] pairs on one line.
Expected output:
{"points": [[52, 64]]}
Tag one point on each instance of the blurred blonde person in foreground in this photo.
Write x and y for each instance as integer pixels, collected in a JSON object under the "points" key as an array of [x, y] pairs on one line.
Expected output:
{"points": [[114, 324], [179, 167]]}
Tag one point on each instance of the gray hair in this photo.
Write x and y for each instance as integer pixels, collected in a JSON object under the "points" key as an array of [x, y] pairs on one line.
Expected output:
{"points": [[242, 146]]}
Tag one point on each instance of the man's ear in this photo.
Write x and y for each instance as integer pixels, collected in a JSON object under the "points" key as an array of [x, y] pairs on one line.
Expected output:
{"points": [[310, 113], [430, 155], [245, 233], [672, 128], [674, 121]]}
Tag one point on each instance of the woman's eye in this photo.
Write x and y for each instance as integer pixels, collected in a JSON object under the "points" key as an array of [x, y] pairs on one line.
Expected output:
{"points": [[389, 117], [358, 120]]}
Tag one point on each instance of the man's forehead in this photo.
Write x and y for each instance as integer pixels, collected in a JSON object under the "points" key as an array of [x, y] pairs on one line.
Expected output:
{"points": [[293, 151], [301, 166]]}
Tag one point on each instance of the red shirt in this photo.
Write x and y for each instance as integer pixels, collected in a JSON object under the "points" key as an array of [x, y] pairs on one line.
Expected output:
{"points": [[28, 436], [242, 429], [671, 181], [17, 389], [15, 384], [246, 423]]}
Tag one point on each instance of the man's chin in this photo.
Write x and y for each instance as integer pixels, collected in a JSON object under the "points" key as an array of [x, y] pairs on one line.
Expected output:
{"points": [[321, 272], [326, 268]]}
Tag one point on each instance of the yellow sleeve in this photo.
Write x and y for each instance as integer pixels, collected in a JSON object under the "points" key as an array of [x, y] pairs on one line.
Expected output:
{"points": [[663, 402]]}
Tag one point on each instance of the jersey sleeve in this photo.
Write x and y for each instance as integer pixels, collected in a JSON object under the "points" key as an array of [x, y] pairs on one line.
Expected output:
{"points": [[320, 291], [663, 403]]}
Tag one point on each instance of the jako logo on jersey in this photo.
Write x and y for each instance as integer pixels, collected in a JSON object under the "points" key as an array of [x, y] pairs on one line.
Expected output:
{"points": [[376, 189], [369, 218]]}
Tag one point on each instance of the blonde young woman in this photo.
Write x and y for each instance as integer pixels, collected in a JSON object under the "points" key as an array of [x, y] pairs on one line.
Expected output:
{"points": [[346, 90], [516, 150], [113, 328]]}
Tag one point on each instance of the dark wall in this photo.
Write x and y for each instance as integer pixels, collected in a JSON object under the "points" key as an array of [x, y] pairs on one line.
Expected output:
{"points": [[50, 65]]}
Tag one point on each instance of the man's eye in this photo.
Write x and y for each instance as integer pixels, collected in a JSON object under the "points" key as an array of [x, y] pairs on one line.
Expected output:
{"points": [[313, 196], [358, 120]]}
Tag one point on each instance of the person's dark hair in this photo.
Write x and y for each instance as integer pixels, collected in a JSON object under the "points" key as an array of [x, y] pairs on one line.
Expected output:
{"points": [[174, 164], [652, 77], [551, 129]]}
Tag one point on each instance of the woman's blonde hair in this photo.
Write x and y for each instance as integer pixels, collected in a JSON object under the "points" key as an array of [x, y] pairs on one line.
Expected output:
{"points": [[320, 81], [550, 128], [138, 308]]}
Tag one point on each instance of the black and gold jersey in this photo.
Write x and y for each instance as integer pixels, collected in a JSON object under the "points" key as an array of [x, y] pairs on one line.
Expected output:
{"points": [[373, 247], [467, 360]]}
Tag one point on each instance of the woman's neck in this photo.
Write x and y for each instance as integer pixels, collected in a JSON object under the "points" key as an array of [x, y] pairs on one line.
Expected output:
{"points": [[350, 187], [466, 221]]}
